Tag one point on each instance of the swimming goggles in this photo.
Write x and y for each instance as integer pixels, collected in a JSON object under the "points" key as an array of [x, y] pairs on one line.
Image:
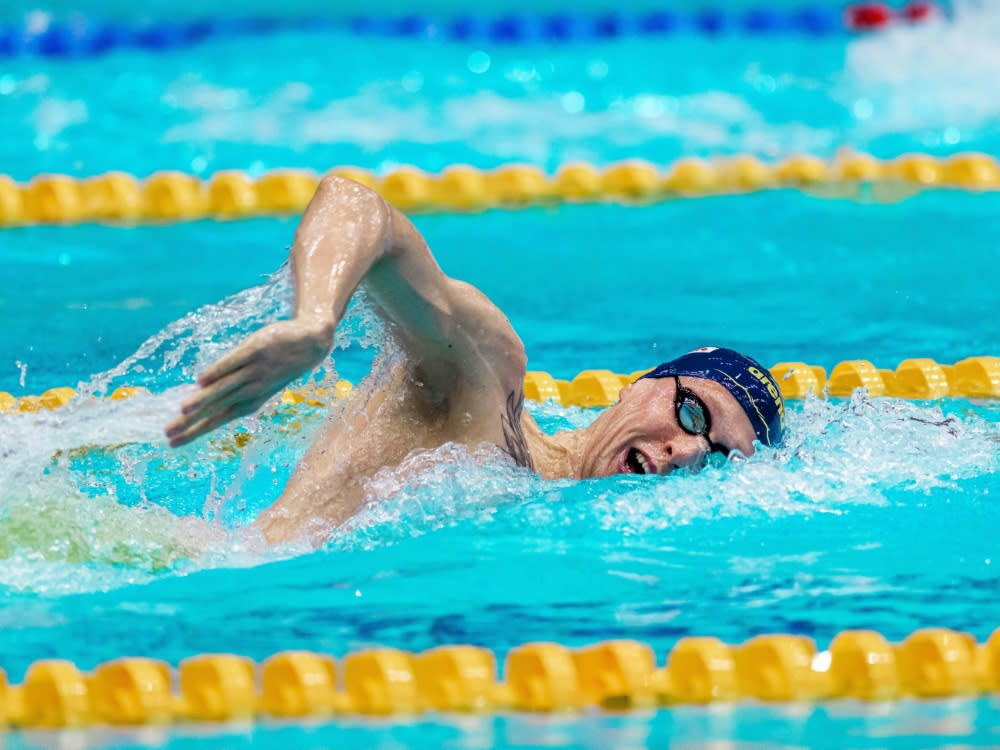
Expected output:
{"points": [[693, 416]]}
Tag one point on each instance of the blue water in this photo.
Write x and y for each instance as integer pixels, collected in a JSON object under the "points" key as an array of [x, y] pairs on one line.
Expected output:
{"points": [[314, 101], [122, 10], [903, 726], [876, 514], [86, 297]]}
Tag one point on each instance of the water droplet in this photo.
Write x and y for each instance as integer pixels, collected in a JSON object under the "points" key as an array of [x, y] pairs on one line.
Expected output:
{"points": [[648, 105], [863, 109], [573, 102], [766, 84], [412, 82], [597, 69], [478, 62]]}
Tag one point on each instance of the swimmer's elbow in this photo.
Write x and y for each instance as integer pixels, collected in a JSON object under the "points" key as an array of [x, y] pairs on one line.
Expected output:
{"points": [[346, 192], [340, 199]]}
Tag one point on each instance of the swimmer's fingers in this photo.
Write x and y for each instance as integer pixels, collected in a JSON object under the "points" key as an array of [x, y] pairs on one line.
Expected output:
{"points": [[177, 431], [229, 364], [237, 359], [279, 351], [185, 433], [220, 391], [205, 411]]}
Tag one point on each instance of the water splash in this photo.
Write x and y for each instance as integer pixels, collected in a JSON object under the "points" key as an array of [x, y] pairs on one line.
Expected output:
{"points": [[186, 346], [94, 486], [935, 79], [94, 482], [838, 455]]}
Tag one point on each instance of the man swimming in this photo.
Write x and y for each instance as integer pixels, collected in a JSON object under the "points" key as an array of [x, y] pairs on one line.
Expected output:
{"points": [[460, 380]]}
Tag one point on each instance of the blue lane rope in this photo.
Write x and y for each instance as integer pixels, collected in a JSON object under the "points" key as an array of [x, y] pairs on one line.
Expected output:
{"points": [[80, 38]]}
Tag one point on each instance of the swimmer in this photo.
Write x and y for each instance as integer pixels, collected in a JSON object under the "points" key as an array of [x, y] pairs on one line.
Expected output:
{"points": [[461, 379]]}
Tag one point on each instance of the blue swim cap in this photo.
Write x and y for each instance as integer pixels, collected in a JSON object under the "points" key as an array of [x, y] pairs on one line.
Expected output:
{"points": [[749, 382]]}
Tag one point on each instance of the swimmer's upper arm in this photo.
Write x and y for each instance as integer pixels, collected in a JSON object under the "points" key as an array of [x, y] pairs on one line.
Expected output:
{"points": [[350, 234], [436, 314]]}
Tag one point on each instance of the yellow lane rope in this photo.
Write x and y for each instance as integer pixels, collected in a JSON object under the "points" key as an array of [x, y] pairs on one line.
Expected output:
{"points": [[923, 379], [174, 196], [540, 677]]}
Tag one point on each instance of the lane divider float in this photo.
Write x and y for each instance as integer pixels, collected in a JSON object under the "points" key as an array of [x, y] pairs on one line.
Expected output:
{"points": [[42, 35], [616, 675], [812, 20], [167, 197], [919, 378]]}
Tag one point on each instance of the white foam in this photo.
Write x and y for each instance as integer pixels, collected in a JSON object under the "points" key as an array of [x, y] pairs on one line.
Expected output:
{"points": [[937, 78], [838, 455], [69, 477], [377, 117], [74, 482]]}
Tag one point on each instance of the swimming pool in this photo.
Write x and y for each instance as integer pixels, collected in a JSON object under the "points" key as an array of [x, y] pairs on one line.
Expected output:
{"points": [[872, 516]]}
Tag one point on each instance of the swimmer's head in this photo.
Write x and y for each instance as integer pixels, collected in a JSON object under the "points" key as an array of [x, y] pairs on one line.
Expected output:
{"points": [[709, 400]]}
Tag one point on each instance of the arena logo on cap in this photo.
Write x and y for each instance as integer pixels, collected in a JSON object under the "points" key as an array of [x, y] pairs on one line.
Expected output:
{"points": [[772, 390]]}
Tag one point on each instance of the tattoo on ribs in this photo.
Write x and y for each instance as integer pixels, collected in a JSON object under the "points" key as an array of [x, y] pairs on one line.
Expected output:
{"points": [[513, 435]]}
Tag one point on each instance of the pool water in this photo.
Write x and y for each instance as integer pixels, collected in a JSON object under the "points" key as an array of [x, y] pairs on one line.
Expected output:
{"points": [[875, 514], [289, 100], [714, 269], [896, 727]]}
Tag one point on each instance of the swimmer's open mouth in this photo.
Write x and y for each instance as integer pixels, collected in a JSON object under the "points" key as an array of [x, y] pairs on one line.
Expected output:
{"points": [[637, 462]]}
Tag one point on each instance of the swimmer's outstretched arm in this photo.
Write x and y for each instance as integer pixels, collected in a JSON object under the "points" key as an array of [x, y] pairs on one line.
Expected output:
{"points": [[349, 234]]}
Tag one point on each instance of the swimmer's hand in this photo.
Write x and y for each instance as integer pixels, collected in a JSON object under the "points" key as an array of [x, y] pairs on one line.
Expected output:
{"points": [[249, 375]]}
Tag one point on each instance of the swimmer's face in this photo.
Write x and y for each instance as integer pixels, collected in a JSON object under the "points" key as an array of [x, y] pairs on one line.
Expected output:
{"points": [[641, 434]]}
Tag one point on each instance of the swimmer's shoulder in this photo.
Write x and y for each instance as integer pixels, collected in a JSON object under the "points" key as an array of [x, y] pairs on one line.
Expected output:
{"points": [[490, 332]]}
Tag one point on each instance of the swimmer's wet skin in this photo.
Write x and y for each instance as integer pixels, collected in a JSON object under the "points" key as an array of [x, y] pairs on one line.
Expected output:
{"points": [[460, 380]]}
